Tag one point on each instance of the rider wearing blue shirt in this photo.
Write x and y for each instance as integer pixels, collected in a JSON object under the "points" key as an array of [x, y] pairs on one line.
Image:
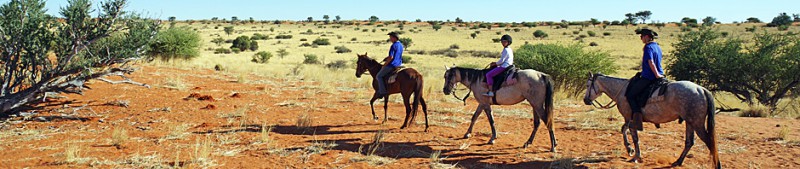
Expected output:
{"points": [[651, 72], [394, 60]]}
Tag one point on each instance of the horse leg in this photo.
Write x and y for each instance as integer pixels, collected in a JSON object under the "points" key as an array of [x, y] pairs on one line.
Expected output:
{"points": [[488, 110], [371, 103], [407, 121], [637, 157], [474, 118], [687, 145], [706, 138], [625, 138], [536, 123], [553, 143], [385, 107], [425, 110]]}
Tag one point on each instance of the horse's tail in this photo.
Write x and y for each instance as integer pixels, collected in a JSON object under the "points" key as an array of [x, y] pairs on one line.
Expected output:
{"points": [[711, 110], [417, 95], [548, 100]]}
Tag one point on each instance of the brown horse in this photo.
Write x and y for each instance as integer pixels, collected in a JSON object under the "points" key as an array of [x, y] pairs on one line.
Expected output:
{"points": [[408, 82]]}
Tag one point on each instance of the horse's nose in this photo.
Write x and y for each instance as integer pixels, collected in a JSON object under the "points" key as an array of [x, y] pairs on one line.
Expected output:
{"points": [[587, 101], [446, 92]]}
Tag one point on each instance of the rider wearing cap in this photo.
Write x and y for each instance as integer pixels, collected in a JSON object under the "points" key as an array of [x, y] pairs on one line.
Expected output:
{"points": [[393, 60], [651, 71], [506, 60]]}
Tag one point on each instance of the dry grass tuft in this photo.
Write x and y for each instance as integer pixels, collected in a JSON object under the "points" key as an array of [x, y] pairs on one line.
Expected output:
{"points": [[119, 136], [202, 152], [436, 161], [756, 110], [119, 103], [175, 83], [304, 121]]}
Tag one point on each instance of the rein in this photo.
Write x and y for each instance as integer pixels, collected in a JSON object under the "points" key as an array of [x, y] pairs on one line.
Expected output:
{"points": [[599, 105], [465, 96]]}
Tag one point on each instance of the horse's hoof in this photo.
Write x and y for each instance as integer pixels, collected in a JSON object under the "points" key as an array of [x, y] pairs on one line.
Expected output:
{"points": [[636, 160], [375, 118], [526, 145], [403, 127], [491, 141], [553, 150], [675, 164], [467, 135], [630, 152]]}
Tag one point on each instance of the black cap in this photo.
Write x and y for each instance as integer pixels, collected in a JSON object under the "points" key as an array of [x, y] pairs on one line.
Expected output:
{"points": [[506, 38], [394, 34], [646, 31]]}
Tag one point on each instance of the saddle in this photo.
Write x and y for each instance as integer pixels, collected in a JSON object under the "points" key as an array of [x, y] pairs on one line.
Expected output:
{"points": [[655, 92], [393, 75], [505, 78]]}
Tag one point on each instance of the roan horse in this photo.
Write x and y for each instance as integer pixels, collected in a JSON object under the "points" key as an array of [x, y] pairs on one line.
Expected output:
{"points": [[683, 100], [408, 82], [534, 86]]}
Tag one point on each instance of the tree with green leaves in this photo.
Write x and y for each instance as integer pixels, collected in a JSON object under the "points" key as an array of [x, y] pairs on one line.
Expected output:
{"points": [[338, 18], [282, 53], [310, 19], [326, 19], [242, 43], [762, 70], [44, 55], [753, 20], [458, 20], [176, 43], [709, 21], [234, 19], [643, 15], [539, 34], [594, 22], [567, 64], [780, 20], [630, 18], [373, 19], [228, 30]]}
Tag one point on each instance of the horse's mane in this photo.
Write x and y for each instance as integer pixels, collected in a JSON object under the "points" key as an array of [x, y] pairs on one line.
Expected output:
{"points": [[371, 61], [473, 75]]}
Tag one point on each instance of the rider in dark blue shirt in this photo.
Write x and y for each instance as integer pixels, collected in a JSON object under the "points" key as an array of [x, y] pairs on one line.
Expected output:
{"points": [[393, 60], [651, 71]]}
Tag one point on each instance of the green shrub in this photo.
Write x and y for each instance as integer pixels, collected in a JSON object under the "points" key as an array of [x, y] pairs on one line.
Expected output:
{"points": [[283, 37], [593, 44], [540, 34], [175, 43], [451, 53], [282, 53], [222, 51], [606, 33], [406, 42], [342, 49], [567, 64], [258, 36], [303, 39], [576, 32], [242, 43], [454, 46], [337, 65], [321, 42], [253, 46], [783, 27], [407, 59], [310, 59], [218, 41], [261, 57], [236, 50], [496, 40], [591, 33], [516, 29]]}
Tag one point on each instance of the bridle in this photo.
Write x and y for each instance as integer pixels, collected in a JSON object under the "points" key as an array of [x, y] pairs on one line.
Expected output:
{"points": [[596, 103], [453, 88]]}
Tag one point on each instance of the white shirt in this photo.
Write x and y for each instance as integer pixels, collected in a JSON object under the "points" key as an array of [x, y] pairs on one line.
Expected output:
{"points": [[506, 58]]}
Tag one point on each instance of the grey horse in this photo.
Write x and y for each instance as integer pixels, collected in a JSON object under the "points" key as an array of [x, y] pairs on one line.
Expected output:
{"points": [[683, 100], [534, 86]]}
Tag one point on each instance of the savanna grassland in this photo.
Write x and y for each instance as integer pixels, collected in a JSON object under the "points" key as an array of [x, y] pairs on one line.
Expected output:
{"points": [[286, 114]]}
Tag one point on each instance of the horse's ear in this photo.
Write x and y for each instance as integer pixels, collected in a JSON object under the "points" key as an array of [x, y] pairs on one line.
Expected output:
{"points": [[590, 74], [446, 68]]}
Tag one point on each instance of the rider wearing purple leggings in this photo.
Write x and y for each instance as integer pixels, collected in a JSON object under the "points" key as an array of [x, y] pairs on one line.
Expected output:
{"points": [[506, 60]]}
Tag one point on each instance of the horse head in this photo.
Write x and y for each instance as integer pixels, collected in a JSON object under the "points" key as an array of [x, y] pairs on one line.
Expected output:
{"points": [[592, 89], [450, 79], [361, 64]]}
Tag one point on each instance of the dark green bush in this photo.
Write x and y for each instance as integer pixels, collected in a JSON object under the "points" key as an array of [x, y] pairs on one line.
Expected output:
{"points": [[222, 51], [591, 33], [242, 43], [321, 42], [540, 34], [175, 43], [337, 65]]}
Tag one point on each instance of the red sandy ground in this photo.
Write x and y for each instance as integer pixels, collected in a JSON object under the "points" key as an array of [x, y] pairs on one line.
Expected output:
{"points": [[338, 118]]}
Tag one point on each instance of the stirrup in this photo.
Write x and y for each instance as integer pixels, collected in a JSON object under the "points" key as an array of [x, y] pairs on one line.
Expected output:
{"points": [[490, 94]]}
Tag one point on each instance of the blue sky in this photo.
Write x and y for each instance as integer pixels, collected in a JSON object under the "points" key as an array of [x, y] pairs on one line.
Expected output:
{"points": [[486, 10]]}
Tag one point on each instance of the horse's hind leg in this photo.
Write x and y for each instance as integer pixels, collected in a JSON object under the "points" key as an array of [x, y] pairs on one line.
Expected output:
{"points": [[706, 137], [407, 120], [425, 110], [385, 107], [627, 144], [687, 145], [536, 123], [371, 103], [474, 118]]}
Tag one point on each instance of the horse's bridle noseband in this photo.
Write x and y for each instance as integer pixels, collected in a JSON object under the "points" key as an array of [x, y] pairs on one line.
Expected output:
{"points": [[596, 103]]}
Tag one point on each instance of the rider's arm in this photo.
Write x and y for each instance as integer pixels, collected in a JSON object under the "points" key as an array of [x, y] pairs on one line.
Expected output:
{"points": [[653, 68]]}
